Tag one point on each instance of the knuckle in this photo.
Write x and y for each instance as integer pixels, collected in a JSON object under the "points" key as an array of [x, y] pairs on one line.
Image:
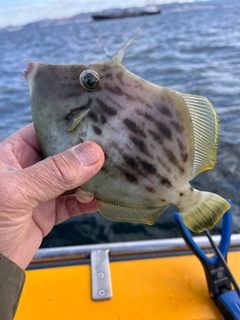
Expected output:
{"points": [[64, 170]]}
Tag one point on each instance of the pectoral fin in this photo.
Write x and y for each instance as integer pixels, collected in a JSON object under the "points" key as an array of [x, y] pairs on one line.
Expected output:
{"points": [[75, 117]]}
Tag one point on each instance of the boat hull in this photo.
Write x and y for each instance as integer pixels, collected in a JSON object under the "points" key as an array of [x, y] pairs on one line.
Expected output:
{"points": [[158, 282]]}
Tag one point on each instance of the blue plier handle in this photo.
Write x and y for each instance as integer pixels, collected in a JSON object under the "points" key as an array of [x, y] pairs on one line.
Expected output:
{"points": [[219, 277]]}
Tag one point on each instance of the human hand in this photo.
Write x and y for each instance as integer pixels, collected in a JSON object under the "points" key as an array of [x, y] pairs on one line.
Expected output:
{"points": [[29, 190]]}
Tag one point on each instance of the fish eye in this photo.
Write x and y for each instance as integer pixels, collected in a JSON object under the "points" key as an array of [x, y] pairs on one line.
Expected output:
{"points": [[89, 79]]}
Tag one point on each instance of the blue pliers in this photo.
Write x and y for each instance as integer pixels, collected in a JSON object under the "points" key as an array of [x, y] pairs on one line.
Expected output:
{"points": [[219, 278]]}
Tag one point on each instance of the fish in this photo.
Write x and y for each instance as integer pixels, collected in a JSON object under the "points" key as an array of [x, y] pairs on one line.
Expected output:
{"points": [[155, 140]]}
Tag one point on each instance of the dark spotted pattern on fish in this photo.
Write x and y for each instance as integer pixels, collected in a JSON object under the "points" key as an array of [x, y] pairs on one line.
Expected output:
{"points": [[184, 155], [166, 112], [155, 136], [164, 165], [140, 166], [148, 117], [108, 76], [140, 144], [97, 130], [172, 158], [119, 76], [166, 182], [164, 130], [103, 119], [131, 178], [115, 90], [93, 116], [131, 162], [132, 126], [148, 167], [105, 108], [149, 189], [177, 126]]}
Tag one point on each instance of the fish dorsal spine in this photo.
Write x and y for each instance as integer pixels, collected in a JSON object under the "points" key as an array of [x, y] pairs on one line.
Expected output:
{"points": [[119, 56]]}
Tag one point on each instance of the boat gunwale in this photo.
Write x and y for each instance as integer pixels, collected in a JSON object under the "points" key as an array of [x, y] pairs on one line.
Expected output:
{"points": [[157, 246]]}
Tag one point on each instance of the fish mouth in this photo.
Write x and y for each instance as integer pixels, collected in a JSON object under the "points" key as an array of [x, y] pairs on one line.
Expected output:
{"points": [[31, 68]]}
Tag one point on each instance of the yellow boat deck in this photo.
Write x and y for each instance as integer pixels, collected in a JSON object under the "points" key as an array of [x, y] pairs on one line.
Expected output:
{"points": [[155, 288]]}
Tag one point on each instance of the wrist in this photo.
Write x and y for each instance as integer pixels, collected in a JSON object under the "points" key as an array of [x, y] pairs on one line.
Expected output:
{"points": [[8, 260]]}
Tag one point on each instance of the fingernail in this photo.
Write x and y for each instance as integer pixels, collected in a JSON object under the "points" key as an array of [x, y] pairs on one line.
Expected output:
{"points": [[87, 153], [84, 196]]}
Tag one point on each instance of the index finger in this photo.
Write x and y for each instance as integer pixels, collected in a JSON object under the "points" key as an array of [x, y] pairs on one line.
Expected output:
{"points": [[22, 148], [69, 206]]}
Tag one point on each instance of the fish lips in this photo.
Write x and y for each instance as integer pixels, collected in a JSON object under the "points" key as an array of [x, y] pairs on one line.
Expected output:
{"points": [[31, 69]]}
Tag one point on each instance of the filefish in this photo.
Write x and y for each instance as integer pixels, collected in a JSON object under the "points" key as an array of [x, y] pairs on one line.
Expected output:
{"points": [[155, 139]]}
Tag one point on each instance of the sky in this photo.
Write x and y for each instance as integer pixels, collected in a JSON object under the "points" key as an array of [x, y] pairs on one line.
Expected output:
{"points": [[19, 12]]}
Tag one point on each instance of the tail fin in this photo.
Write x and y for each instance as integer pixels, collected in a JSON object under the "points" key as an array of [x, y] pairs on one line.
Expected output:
{"points": [[206, 213]]}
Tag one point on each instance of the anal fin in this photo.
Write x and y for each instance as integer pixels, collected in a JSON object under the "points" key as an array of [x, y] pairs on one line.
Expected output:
{"points": [[121, 213]]}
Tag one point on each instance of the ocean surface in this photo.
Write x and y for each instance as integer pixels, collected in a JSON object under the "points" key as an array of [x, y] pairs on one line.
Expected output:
{"points": [[191, 49]]}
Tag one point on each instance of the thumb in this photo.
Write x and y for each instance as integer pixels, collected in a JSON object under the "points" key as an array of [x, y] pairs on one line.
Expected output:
{"points": [[67, 170]]}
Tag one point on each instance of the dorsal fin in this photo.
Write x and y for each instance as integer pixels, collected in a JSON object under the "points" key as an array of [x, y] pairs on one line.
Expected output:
{"points": [[205, 128], [119, 56]]}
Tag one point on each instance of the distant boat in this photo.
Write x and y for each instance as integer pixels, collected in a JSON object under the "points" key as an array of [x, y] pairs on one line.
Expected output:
{"points": [[127, 12]]}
